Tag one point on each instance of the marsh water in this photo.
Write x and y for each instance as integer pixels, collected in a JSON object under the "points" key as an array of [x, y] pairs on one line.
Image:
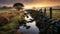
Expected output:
{"points": [[32, 29]]}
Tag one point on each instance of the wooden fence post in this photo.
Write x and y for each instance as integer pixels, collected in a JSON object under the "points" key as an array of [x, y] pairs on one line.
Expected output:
{"points": [[45, 11], [50, 12]]}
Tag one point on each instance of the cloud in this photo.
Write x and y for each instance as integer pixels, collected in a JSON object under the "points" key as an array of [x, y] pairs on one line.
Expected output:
{"points": [[30, 2], [15, 1]]}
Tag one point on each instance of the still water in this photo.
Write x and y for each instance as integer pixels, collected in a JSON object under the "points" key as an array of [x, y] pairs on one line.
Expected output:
{"points": [[33, 28]]}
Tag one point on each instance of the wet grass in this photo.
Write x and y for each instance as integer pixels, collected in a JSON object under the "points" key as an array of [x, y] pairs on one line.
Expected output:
{"points": [[55, 14]]}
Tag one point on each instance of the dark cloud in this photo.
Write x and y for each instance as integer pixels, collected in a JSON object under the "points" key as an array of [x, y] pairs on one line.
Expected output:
{"points": [[15, 1], [6, 2]]}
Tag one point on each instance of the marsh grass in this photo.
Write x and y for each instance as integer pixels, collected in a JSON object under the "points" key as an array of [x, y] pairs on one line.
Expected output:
{"points": [[55, 14]]}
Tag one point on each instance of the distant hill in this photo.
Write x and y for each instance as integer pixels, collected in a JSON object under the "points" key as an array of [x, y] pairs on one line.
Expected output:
{"points": [[5, 7]]}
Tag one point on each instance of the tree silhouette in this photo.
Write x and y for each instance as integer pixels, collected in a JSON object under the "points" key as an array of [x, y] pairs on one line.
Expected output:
{"points": [[18, 6]]}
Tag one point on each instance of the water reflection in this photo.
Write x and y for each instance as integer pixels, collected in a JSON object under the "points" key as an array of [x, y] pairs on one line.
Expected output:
{"points": [[30, 27], [32, 30]]}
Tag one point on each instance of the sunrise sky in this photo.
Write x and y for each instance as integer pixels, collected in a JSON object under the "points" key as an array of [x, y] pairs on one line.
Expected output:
{"points": [[31, 3]]}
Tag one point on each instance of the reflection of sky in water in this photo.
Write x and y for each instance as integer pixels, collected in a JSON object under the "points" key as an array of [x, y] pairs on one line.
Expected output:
{"points": [[32, 30]]}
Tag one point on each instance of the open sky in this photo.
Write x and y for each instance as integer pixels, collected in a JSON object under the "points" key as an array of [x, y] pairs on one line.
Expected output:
{"points": [[31, 3]]}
